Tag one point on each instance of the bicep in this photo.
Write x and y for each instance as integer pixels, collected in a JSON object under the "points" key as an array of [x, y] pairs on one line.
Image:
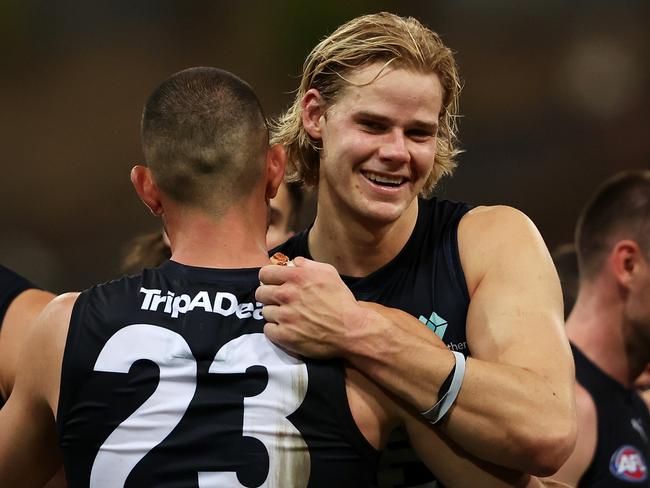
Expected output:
{"points": [[515, 312], [15, 329], [29, 452]]}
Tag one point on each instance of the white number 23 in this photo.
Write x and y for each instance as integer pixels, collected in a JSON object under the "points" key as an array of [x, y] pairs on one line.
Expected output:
{"points": [[153, 421]]}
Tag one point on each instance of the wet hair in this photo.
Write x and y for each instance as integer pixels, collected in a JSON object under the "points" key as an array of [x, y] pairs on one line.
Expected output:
{"points": [[619, 209], [204, 137], [401, 42]]}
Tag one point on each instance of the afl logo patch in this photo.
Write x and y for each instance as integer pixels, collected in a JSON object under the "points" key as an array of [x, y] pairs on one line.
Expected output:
{"points": [[628, 464]]}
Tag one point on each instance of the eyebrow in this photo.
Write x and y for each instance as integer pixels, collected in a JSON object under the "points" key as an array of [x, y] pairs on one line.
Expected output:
{"points": [[418, 124]]}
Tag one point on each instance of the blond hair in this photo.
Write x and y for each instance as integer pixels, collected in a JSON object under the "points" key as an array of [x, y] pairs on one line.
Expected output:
{"points": [[382, 37]]}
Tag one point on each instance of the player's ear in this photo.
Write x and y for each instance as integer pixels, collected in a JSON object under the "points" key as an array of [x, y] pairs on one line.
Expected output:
{"points": [[276, 160], [146, 188], [313, 109], [625, 260]]}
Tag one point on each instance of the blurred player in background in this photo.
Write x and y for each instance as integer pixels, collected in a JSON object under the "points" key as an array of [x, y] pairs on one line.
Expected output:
{"points": [[609, 329]]}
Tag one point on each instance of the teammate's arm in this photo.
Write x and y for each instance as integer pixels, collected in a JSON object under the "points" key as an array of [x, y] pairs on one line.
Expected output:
{"points": [[516, 405], [377, 412], [580, 459], [29, 451], [16, 325]]}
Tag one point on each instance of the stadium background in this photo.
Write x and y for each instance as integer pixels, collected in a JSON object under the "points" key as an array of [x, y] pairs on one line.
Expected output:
{"points": [[556, 98]]}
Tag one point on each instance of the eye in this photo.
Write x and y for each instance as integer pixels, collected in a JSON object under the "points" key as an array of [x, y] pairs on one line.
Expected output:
{"points": [[421, 135], [372, 126]]}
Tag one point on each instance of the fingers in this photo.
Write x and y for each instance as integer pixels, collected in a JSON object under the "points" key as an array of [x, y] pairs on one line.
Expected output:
{"points": [[272, 274], [271, 313], [276, 334], [265, 294]]}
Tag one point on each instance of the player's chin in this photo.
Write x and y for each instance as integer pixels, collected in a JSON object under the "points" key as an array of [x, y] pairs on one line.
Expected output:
{"points": [[383, 212]]}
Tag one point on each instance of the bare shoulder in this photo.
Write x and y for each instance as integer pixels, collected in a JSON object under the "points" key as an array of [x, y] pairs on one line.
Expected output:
{"points": [[500, 222], [61, 305], [51, 326], [47, 338], [15, 329], [489, 236]]}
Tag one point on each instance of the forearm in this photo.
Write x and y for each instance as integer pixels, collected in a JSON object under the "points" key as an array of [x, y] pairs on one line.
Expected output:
{"points": [[504, 414], [456, 468]]}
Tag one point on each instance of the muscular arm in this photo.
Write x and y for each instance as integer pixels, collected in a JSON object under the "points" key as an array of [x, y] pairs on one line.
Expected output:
{"points": [[15, 329], [29, 451], [580, 459], [376, 412], [516, 405]]}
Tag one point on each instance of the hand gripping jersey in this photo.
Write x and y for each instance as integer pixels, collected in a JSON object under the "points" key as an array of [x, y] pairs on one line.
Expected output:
{"points": [[623, 426], [11, 285], [426, 280], [168, 381]]}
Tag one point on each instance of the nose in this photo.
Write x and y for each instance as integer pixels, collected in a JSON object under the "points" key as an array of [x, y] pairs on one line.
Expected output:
{"points": [[393, 147]]}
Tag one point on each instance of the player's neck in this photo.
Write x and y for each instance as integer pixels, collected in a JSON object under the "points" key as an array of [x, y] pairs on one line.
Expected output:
{"points": [[597, 328], [357, 247], [235, 239]]}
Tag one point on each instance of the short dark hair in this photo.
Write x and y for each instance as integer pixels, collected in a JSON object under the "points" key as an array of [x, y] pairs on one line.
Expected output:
{"points": [[204, 137], [619, 209]]}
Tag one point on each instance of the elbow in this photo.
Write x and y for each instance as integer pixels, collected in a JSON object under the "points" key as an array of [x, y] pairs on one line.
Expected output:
{"points": [[547, 451]]}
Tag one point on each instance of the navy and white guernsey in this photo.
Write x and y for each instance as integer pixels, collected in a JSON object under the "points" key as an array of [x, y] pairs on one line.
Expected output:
{"points": [[426, 280], [623, 426], [11, 285], [168, 381]]}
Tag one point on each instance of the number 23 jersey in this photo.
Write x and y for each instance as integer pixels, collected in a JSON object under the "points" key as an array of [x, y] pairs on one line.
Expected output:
{"points": [[168, 381]]}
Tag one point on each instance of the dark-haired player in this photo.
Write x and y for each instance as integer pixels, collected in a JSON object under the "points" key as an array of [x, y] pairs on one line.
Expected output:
{"points": [[609, 329]]}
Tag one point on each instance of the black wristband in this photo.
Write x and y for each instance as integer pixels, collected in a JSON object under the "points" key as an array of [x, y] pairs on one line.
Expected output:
{"points": [[444, 387]]}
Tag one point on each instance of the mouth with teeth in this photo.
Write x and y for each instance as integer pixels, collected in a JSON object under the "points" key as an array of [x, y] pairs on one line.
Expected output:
{"points": [[384, 180]]}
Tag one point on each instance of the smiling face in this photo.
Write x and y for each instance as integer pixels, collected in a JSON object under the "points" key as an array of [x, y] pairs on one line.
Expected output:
{"points": [[378, 143]]}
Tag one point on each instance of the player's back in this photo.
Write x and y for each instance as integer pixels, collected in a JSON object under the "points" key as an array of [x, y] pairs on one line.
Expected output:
{"points": [[168, 381]]}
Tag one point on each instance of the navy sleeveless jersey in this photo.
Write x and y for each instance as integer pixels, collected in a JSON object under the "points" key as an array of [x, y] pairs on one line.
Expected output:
{"points": [[11, 285], [426, 280], [623, 426], [168, 381]]}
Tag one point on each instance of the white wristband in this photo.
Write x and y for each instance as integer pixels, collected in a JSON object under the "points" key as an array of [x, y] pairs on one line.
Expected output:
{"points": [[442, 406]]}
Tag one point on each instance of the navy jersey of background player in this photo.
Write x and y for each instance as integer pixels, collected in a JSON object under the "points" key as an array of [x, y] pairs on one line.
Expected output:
{"points": [[623, 426], [426, 280], [168, 381], [11, 285]]}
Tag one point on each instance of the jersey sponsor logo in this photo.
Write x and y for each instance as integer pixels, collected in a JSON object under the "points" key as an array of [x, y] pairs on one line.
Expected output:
{"points": [[221, 302], [439, 326], [436, 323], [628, 464]]}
